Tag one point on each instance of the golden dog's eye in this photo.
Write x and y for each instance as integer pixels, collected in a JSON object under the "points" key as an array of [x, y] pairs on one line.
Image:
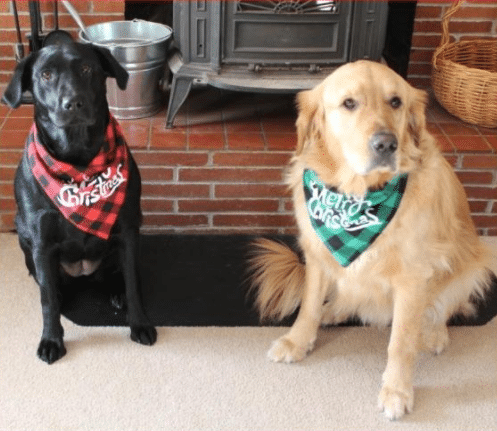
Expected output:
{"points": [[395, 102], [350, 104], [46, 75]]}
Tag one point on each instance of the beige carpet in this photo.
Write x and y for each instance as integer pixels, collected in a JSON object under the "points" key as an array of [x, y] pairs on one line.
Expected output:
{"points": [[219, 379]]}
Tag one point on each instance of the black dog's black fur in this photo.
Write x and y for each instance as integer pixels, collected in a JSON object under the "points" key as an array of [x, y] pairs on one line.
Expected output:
{"points": [[71, 112]]}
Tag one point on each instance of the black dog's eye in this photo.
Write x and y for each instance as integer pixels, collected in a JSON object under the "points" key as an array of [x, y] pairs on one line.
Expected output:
{"points": [[395, 102], [350, 104], [46, 75], [85, 69]]}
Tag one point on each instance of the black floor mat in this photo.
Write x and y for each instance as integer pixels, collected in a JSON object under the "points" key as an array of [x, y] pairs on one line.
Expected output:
{"points": [[192, 280], [187, 280]]}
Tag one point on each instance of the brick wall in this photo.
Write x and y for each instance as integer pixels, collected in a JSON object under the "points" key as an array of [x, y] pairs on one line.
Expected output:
{"points": [[475, 164], [227, 177], [475, 19], [91, 12], [221, 177]]}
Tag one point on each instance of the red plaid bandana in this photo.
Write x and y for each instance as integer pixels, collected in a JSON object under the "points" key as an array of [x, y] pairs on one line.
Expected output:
{"points": [[89, 199]]}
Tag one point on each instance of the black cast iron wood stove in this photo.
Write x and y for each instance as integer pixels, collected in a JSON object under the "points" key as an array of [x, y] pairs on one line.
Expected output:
{"points": [[269, 46]]}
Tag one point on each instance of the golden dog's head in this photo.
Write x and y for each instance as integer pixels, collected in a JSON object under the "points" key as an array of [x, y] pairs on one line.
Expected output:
{"points": [[365, 117]]}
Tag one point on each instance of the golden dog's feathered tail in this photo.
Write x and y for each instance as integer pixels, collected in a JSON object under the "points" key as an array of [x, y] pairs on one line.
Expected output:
{"points": [[278, 278]]}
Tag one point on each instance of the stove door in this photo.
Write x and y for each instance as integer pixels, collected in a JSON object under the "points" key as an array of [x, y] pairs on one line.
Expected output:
{"points": [[293, 33]]}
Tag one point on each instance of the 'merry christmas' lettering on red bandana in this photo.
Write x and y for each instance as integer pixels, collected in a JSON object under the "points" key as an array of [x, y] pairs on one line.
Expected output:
{"points": [[90, 199]]}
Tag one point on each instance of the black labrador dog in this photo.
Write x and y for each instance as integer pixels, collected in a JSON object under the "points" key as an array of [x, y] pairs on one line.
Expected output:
{"points": [[77, 186]]}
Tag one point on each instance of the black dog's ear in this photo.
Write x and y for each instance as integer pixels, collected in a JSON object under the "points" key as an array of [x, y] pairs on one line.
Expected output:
{"points": [[20, 82], [111, 66]]}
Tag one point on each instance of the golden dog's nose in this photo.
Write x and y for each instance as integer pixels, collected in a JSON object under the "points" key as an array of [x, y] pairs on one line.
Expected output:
{"points": [[383, 143]]}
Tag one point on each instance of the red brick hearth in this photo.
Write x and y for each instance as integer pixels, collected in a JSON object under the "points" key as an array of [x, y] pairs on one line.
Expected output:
{"points": [[220, 169]]}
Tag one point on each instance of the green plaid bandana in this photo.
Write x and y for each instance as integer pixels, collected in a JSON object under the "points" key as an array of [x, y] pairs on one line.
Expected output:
{"points": [[349, 224]]}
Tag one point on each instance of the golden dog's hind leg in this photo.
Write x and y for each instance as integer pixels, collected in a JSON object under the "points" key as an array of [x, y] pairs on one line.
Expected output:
{"points": [[295, 345], [435, 336], [397, 394]]}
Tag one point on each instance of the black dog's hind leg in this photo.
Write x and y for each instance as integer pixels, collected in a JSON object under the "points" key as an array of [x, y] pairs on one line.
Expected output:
{"points": [[141, 330], [51, 346]]}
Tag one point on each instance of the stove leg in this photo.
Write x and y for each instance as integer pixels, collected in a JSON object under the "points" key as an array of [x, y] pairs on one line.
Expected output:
{"points": [[180, 88]]}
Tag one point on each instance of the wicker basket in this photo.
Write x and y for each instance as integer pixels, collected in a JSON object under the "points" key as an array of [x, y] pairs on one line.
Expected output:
{"points": [[464, 76]]}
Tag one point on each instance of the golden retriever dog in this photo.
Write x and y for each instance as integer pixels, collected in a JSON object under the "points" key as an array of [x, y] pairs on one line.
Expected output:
{"points": [[384, 227]]}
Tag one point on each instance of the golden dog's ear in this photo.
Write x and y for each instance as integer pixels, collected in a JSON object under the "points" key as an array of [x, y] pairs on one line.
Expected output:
{"points": [[417, 116], [309, 121]]}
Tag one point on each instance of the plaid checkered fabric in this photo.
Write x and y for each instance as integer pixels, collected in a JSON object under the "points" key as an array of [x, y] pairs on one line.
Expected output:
{"points": [[349, 224], [89, 199]]}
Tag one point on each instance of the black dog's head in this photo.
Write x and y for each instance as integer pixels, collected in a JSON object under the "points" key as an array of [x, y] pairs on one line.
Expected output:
{"points": [[67, 82]]}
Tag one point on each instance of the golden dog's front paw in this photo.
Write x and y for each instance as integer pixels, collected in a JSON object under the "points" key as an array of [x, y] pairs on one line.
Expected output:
{"points": [[395, 403], [285, 350]]}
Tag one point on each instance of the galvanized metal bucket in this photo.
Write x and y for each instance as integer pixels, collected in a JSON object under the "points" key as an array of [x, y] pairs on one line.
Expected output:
{"points": [[141, 48]]}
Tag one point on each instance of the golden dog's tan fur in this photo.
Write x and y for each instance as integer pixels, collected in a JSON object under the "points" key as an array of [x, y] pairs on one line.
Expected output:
{"points": [[426, 265]]}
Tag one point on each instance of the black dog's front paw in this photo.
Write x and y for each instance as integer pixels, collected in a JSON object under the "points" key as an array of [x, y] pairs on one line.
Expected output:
{"points": [[146, 335], [50, 351]]}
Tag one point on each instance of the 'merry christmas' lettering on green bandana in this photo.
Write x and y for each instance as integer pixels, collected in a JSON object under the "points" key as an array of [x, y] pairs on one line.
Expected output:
{"points": [[349, 224]]}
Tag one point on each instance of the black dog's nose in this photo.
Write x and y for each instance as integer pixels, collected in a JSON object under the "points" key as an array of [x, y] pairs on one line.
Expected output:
{"points": [[73, 103], [383, 143]]}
